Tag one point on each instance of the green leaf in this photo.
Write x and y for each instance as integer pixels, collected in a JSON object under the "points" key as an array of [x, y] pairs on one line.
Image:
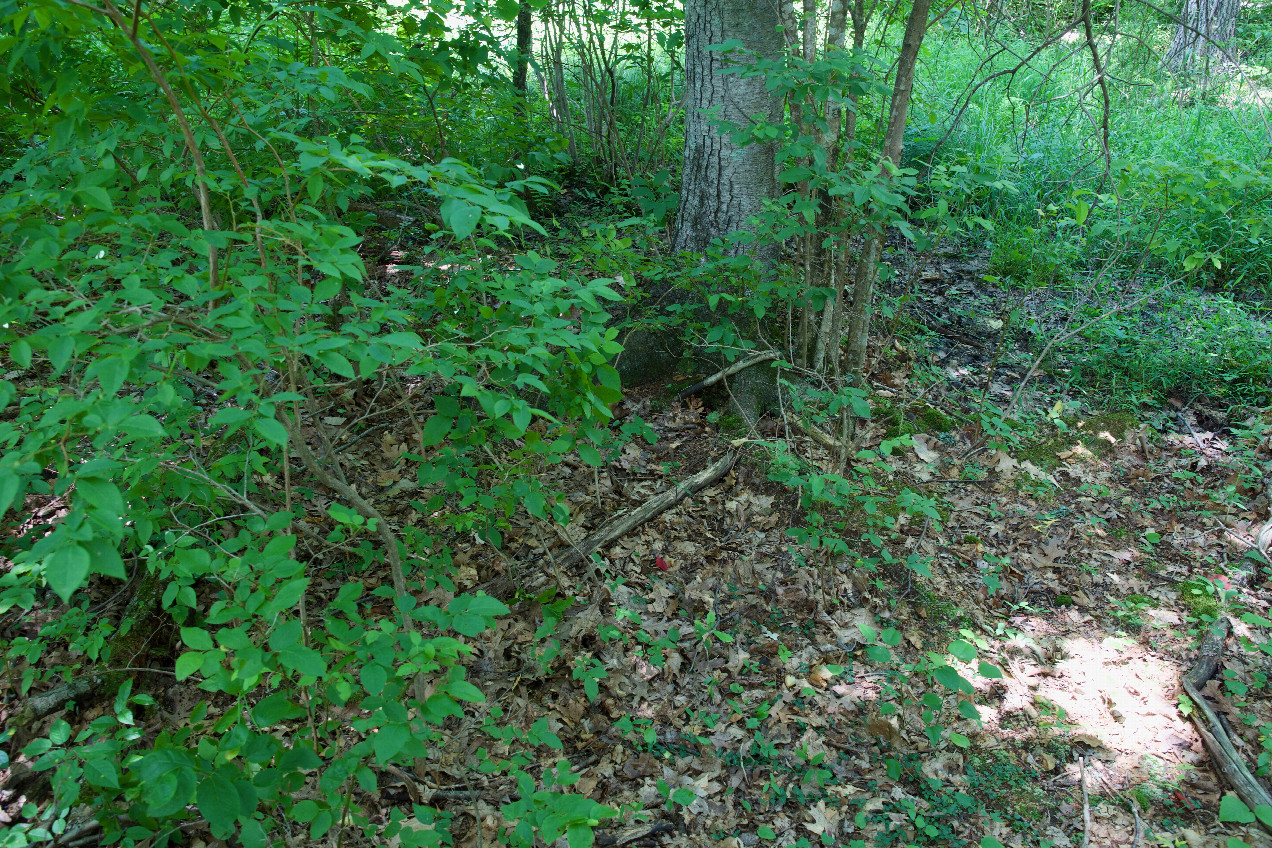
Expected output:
{"points": [[20, 353], [302, 660], [188, 663], [590, 455], [337, 363], [389, 740], [960, 740], [968, 711], [286, 634], [460, 217], [197, 638], [765, 832], [879, 654], [102, 494], [468, 624], [10, 486], [374, 676], [579, 836], [252, 834], [462, 690], [1233, 809], [61, 348], [962, 650], [683, 796], [271, 430], [275, 708], [435, 429], [990, 842], [951, 679], [218, 803], [990, 671], [95, 197], [66, 569], [1264, 814]]}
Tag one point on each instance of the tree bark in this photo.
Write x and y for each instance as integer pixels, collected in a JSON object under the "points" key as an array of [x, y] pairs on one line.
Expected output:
{"points": [[1205, 28], [725, 183]]}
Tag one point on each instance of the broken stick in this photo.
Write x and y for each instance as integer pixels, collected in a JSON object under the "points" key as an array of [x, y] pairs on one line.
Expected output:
{"points": [[659, 503]]}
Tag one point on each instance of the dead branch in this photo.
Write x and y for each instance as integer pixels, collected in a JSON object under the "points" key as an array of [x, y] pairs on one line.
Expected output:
{"points": [[740, 365], [38, 706], [624, 524], [1228, 762]]}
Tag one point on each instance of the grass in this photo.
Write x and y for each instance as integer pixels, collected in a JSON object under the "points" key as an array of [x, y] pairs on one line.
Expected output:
{"points": [[1184, 344]]}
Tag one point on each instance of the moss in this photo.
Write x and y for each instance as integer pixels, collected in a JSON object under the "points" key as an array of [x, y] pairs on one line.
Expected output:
{"points": [[916, 417], [940, 610], [1147, 796], [1116, 424], [1198, 598], [1004, 783], [1096, 433], [732, 425], [1064, 600]]}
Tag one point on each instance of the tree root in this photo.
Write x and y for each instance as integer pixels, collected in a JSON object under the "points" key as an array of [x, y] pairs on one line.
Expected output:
{"points": [[659, 503]]}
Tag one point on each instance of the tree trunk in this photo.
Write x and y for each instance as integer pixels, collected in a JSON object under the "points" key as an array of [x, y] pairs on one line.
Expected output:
{"points": [[525, 43], [724, 183], [1205, 28]]}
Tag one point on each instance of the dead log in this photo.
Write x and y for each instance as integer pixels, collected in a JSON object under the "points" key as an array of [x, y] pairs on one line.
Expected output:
{"points": [[660, 503]]}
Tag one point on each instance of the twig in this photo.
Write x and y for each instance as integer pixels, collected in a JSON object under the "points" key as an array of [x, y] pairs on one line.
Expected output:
{"points": [[741, 365], [1086, 806], [1139, 826], [1191, 431], [654, 506], [628, 835]]}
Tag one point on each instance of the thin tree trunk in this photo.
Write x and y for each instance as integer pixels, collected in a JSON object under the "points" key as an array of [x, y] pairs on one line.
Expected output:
{"points": [[525, 43], [867, 270]]}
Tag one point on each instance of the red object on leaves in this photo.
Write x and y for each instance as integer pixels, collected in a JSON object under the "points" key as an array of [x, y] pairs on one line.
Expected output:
{"points": [[660, 562]]}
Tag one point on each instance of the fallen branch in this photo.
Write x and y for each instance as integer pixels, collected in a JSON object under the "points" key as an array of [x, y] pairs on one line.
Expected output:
{"points": [[1228, 762], [818, 436], [622, 525], [740, 365], [637, 833], [38, 706]]}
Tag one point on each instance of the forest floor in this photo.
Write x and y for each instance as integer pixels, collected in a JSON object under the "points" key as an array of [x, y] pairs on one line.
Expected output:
{"points": [[714, 676]]}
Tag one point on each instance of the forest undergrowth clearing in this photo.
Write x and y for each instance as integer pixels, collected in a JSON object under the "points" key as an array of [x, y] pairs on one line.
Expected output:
{"points": [[1091, 625], [733, 737]]}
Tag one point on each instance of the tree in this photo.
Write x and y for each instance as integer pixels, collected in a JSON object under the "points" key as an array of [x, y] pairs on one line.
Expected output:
{"points": [[1205, 28], [724, 183]]}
